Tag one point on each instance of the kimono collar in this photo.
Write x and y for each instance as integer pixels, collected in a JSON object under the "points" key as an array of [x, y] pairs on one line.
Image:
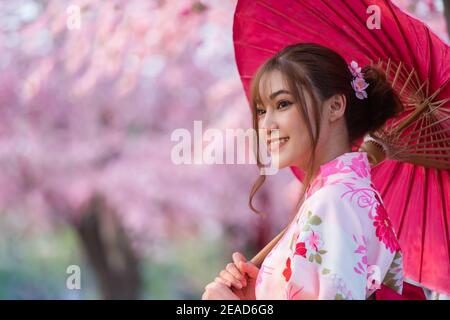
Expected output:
{"points": [[346, 167]]}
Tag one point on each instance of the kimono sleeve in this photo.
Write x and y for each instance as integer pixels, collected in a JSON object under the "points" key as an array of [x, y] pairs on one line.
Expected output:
{"points": [[328, 257]]}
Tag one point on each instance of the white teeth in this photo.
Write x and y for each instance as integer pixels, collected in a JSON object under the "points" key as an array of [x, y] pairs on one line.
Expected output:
{"points": [[277, 143]]}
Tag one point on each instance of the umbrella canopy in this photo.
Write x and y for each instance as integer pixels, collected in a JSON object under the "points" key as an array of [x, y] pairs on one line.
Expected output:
{"points": [[411, 153]]}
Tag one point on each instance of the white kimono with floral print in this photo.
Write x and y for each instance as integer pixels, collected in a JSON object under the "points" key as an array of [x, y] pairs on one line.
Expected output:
{"points": [[341, 244]]}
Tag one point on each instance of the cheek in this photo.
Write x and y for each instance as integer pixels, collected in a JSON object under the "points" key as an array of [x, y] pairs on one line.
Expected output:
{"points": [[297, 130], [300, 148], [291, 121], [300, 144]]}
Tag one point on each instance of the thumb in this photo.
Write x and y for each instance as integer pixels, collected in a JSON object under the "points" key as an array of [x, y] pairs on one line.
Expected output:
{"points": [[250, 269]]}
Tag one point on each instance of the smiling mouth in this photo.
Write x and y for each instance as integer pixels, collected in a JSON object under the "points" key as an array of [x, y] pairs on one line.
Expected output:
{"points": [[277, 144]]}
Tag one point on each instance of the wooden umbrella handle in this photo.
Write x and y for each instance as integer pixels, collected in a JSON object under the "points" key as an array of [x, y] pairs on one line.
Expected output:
{"points": [[259, 258]]}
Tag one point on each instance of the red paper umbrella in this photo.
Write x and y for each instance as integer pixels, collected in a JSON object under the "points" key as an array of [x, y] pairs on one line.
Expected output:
{"points": [[411, 153]]}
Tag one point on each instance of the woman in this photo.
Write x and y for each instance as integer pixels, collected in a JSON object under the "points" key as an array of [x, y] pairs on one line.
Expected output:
{"points": [[340, 244]]}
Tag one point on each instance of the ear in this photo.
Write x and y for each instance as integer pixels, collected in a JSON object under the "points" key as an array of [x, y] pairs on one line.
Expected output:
{"points": [[336, 107]]}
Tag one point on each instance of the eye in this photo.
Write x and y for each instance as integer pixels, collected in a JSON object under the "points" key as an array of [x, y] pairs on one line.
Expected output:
{"points": [[283, 104], [260, 111]]}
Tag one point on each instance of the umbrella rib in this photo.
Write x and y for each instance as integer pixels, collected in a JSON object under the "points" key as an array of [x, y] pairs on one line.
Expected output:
{"points": [[432, 148], [387, 34], [436, 105], [430, 155], [444, 110], [424, 216], [427, 163], [441, 140], [403, 147], [293, 36], [444, 211], [411, 135], [407, 82], [400, 27], [408, 195], [326, 19], [440, 131], [395, 122], [437, 139], [435, 123], [445, 139], [430, 48], [245, 44], [425, 195], [396, 164], [419, 89], [356, 30], [295, 23], [397, 74]]}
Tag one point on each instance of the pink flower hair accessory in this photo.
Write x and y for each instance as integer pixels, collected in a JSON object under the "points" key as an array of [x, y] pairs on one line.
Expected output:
{"points": [[358, 82]]}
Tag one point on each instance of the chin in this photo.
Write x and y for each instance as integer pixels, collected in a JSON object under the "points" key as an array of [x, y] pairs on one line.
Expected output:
{"points": [[282, 162]]}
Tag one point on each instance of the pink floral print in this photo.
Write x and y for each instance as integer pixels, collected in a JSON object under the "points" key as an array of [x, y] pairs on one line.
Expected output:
{"points": [[361, 266], [359, 167], [384, 230], [341, 232]]}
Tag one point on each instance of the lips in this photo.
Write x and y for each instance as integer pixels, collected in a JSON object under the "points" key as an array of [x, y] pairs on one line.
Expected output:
{"points": [[274, 144]]}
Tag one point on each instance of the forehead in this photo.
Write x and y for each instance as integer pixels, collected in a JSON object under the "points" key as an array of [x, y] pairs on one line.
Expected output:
{"points": [[270, 82]]}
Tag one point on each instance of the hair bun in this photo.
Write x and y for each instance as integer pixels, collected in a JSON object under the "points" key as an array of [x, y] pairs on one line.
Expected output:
{"points": [[382, 103]]}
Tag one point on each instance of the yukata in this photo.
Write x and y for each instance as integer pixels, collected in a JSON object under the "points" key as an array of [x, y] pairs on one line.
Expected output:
{"points": [[341, 243]]}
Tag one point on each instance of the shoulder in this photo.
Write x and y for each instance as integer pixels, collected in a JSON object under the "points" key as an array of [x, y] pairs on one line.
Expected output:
{"points": [[343, 203], [356, 209]]}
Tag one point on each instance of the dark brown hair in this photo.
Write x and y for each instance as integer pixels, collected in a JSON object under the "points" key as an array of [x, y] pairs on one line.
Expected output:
{"points": [[323, 73]]}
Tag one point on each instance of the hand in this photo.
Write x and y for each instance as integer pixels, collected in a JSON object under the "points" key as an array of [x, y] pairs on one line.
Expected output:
{"points": [[240, 276], [218, 291]]}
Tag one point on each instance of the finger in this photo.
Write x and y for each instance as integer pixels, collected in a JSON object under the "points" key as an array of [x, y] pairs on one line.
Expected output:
{"points": [[237, 257], [220, 280], [250, 269], [221, 286], [225, 275], [231, 268]]}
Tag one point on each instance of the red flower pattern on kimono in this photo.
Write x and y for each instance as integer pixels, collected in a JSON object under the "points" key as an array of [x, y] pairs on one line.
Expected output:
{"points": [[287, 272], [300, 249], [384, 230]]}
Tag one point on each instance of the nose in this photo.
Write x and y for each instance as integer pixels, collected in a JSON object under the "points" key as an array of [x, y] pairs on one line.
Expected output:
{"points": [[269, 124]]}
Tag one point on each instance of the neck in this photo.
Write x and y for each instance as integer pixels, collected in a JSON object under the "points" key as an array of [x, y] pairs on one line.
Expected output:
{"points": [[334, 147]]}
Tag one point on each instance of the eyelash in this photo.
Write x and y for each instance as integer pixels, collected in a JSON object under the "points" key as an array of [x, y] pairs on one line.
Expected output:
{"points": [[258, 111]]}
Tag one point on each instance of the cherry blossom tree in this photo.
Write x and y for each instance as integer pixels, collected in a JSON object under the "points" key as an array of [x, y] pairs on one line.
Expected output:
{"points": [[87, 117]]}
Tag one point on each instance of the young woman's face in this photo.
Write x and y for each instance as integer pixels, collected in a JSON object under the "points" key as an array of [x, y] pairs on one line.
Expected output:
{"points": [[279, 111]]}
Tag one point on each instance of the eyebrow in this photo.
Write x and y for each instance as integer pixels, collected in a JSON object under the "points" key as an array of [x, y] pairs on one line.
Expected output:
{"points": [[276, 93]]}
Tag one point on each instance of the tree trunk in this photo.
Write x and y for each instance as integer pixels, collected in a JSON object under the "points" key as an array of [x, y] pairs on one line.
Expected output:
{"points": [[109, 251]]}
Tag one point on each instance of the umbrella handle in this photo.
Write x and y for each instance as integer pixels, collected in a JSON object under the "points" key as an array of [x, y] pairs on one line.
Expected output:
{"points": [[259, 258]]}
